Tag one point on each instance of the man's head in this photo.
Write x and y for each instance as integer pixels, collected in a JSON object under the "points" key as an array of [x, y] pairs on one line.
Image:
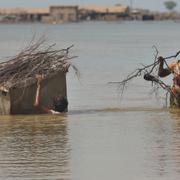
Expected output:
{"points": [[60, 103]]}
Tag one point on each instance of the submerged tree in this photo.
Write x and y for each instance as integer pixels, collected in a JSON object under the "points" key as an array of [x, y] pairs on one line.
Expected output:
{"points": [[170, 5]]}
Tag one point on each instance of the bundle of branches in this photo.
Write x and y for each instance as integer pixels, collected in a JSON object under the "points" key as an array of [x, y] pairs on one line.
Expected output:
{"points": [[149, 73], [37, 58]]}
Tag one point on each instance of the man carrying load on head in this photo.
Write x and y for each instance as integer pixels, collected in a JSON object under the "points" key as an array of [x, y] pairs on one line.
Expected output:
{"points": [[173, 68]]}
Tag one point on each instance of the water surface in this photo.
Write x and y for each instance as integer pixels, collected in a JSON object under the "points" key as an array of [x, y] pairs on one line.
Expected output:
{"points": [[102, 137]]}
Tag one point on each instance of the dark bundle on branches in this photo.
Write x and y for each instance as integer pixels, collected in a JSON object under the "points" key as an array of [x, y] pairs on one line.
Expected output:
{"points": [[149, 73], [37, 58]]}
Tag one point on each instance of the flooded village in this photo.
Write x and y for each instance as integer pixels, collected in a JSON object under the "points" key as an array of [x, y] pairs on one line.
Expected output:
{"points": [[83, 92], [75, 13]]}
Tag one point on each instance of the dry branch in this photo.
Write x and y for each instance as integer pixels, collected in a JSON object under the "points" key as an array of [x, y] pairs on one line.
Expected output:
{"points": [[34, 59], [148, 72]]}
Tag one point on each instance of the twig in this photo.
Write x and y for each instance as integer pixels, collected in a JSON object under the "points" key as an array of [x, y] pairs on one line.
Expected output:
{"points": [[146, 71], [34, 59]]}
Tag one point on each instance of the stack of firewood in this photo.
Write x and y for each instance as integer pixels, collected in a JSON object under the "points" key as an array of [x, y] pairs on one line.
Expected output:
{"points": [[37, 58]]}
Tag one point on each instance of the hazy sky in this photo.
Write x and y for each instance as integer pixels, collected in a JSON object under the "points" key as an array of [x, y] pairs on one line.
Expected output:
{"points": [[148, 4]]}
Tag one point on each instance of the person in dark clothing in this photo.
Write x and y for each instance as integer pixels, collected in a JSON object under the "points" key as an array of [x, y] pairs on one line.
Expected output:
{"points": [[60, 103]]}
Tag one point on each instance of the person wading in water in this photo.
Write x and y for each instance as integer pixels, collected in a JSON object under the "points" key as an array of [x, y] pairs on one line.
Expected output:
{"points": [[60, 103], [173, 68]]}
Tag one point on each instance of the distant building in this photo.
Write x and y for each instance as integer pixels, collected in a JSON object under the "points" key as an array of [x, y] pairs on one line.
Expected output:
{"points": [[60, 14], [53, 14], [63, 14], [10, 15], [104, 12], [37, 14], [142, 14]]}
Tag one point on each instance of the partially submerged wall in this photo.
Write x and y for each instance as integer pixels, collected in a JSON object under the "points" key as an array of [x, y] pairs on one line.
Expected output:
{"points": [[21, 100], [4, 103]]}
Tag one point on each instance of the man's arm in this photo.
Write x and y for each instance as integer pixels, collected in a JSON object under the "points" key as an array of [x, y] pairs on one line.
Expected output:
{"points": [[36, 102], [163, 72], [37, 98]]}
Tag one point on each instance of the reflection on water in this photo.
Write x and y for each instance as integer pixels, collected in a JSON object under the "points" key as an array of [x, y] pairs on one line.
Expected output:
{"points": [[33, 146], [176, 139], [175, 113], [163, 146], [92, 144]]}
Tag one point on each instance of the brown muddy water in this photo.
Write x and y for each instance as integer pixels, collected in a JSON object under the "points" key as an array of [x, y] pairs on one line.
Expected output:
{"points": [[103, 136]]}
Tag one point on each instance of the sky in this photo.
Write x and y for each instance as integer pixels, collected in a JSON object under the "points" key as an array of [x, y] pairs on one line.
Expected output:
{"points": [[146, 4]]}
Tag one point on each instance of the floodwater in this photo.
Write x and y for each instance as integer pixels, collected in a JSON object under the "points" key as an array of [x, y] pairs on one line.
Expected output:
{"points": [[103, 136]]}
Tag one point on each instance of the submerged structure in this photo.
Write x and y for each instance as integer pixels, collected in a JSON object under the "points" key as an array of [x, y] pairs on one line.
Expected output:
{"points": [[18, 83]]}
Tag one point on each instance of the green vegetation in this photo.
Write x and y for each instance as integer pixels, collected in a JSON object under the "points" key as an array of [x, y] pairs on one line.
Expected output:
{"points": [[170, 5]]}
